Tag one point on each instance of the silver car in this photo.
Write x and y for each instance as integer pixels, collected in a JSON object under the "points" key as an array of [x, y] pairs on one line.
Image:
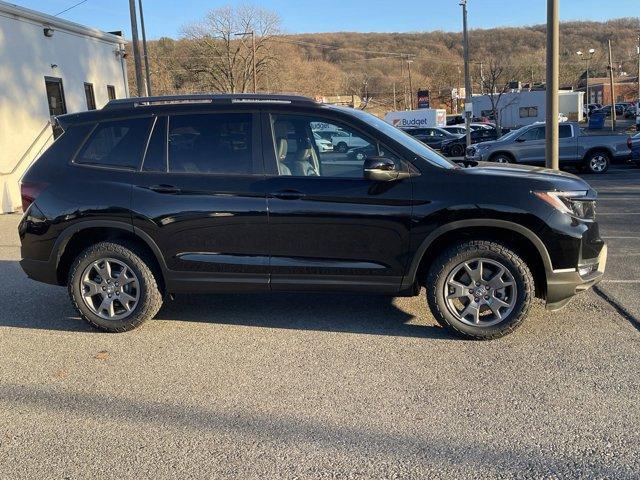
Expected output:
{"points": [[592, 152]]}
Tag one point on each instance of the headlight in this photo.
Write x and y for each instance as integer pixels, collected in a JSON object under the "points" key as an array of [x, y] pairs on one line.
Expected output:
{"points": [[571, 203]]}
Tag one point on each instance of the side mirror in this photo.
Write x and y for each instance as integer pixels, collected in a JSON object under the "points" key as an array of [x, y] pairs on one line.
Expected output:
{"points": [[380, 169], [520, 140]]}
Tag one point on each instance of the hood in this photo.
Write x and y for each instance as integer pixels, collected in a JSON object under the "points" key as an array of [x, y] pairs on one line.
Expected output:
{"points": [[539, 177]]}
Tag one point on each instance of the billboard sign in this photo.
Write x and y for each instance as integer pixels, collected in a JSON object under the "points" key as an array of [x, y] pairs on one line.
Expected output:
{"points": [[424, 100]]}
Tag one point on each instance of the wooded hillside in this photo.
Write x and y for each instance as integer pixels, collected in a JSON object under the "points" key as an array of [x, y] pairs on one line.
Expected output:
{"points": [[373, 63]]}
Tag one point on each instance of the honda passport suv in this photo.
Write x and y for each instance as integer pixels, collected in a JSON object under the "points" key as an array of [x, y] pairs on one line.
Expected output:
{"points": [[152, 197]]}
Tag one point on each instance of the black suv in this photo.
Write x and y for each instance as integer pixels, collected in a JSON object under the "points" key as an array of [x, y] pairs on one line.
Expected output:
{"points": [[152, 197]]}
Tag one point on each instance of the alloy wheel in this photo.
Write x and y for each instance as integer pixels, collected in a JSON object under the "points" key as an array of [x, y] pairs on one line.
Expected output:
{"points": [[598, 163], [110, 289], [480, 292]]}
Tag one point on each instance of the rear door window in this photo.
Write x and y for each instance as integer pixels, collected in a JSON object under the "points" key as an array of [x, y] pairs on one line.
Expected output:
{"points": [[211, 144], [118, 143], [565, 131]]}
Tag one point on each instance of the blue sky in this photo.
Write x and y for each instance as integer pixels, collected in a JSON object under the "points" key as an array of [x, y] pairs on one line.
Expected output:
{"points": [[165, 17]]}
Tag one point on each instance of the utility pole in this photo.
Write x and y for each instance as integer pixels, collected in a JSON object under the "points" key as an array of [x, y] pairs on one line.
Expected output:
{"points": [[136, 48], [638, 99], [467, 80], [395, 105], [253, 61], [144, 50], [553, 67], [409, 62], [613, 91], [404, 83]]}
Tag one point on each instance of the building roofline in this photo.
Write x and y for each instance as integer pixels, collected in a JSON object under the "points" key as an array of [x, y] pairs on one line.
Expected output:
{"points": [[11, 10]]}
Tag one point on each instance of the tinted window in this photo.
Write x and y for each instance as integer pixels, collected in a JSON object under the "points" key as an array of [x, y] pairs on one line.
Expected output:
{"points": [[565, 131], [302, 151], [155, 160], [119, 143], [211, 143], [533, 134]]}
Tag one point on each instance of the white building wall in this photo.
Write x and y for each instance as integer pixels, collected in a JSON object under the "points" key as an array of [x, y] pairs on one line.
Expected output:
{"points": [[75, 54]]}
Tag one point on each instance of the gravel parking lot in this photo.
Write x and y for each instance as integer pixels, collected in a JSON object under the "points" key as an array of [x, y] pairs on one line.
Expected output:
{"points": [[311, 386]]}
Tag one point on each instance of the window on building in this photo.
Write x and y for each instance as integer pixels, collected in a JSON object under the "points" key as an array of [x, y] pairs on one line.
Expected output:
{"points": [[90, 96], [111, 92], [211, 143], [55, 99], [119, 143], [55, 96], [528, 112]]}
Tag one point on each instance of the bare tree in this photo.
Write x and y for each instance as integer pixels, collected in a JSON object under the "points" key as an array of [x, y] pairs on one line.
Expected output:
{"points": [[219, 57], [497, 76]]}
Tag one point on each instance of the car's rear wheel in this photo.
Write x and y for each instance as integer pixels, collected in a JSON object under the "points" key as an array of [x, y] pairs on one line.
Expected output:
{"points": [[480, 289], [597, 162], [113, 288], [457, 150], [342, 147]]}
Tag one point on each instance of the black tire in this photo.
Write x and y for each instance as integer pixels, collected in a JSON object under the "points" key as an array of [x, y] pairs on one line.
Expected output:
{"points": [[342, 147], [457, 150], [149, 298], [452, 258], [597, 162], [502, 158]]}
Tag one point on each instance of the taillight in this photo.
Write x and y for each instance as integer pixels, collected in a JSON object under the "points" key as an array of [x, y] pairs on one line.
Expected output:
{"points": [[29, 191]]}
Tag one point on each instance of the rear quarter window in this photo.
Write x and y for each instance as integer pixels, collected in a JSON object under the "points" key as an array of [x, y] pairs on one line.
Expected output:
{"points": [[117, 144]]}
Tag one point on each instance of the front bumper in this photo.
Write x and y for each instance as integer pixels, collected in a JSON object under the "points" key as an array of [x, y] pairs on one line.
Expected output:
{"points": [[563, 285]]}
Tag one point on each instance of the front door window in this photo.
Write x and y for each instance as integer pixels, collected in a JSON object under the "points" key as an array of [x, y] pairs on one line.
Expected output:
{"points": [[313, 147]]}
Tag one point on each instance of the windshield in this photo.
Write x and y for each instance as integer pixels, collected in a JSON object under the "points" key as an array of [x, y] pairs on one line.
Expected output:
{"points": [[416, 146]]}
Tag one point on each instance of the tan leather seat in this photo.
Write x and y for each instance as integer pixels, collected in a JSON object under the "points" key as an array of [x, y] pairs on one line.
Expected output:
{"points": [[282, 148]]}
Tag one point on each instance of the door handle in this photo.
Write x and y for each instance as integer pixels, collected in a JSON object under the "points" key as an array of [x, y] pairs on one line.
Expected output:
{"points": [[288, 195], [170, 189]]}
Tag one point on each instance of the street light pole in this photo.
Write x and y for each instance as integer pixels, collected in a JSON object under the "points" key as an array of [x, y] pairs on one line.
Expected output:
{"points": [[145, 52], [553, 66], [467, 79], [253, 56], [587, 59]]}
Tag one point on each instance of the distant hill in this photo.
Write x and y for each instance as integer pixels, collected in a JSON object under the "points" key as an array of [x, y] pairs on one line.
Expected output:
{"points": [[373, 63]]}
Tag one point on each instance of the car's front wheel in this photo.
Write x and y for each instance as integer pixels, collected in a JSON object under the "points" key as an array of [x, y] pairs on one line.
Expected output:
{"points": [[502, 158], [480, 289], [113, 288]]}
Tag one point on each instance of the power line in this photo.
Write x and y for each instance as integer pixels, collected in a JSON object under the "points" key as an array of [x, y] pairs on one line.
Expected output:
{"points": [[71, 7]]}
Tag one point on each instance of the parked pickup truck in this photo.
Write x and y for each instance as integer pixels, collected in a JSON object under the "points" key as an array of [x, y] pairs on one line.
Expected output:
{"points": [[593, 153]]}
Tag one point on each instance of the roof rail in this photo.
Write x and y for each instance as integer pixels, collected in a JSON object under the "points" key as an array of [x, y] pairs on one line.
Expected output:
{"points": [[209, 98]]}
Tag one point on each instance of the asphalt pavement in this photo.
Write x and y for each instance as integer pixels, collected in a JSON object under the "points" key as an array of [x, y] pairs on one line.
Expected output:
{"points": [[312, 386]]}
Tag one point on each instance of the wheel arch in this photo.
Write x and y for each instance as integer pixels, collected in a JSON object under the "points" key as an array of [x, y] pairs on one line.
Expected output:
{"points": [[79, 236], [524, 241], [506, 153], [596, 149]]}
